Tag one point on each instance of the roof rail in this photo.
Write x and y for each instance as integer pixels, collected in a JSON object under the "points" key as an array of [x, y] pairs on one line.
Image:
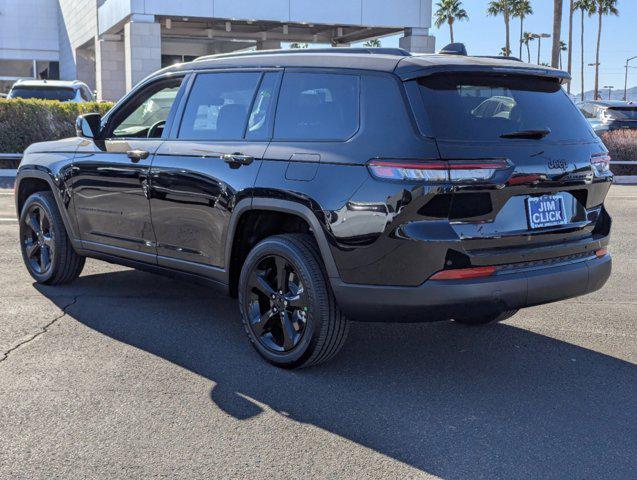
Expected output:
{"points": [[338, 50], [499, 57]]}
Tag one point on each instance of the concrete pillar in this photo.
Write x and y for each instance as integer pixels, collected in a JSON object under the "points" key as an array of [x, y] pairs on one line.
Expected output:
{"points": [[110, 80], [142, 48], [418, 40], [85, 62]]}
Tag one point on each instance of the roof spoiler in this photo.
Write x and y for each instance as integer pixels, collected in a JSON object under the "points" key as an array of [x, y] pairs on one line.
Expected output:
{"points": [[413, 72]]}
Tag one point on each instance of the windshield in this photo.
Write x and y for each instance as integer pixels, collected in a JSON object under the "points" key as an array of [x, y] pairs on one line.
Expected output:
{"points": [[622, 113], [46, 93], [485, 107]]}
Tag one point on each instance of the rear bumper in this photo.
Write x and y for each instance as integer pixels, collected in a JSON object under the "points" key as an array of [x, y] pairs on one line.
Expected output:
{"points": [[440, 300]]}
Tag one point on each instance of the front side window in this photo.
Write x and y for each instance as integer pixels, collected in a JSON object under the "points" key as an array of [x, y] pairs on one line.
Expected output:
{"points": [[485, 107], [146, 114], [317, 107], [218, 106]]}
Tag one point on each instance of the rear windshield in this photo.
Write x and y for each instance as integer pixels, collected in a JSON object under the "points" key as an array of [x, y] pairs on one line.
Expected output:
{"points": [[622, 113], [484, 107], [45, 93]]}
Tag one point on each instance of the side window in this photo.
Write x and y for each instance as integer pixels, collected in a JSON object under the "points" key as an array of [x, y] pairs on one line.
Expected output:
{"points": [[317, 106], [260, 121], [217, 107], [144, 116]]}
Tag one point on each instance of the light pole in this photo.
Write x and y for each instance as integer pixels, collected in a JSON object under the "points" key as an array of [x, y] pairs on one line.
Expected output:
{"points": [[610, 89], [626, 78], [539, 37]]}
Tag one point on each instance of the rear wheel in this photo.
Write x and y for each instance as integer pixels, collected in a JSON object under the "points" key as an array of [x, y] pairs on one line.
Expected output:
{"points": [[287, 307], [46, 248], [484, 319]]}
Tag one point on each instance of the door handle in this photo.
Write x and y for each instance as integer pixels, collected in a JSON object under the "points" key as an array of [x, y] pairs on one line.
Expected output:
{"points": [[235, 160], [137, 155]]}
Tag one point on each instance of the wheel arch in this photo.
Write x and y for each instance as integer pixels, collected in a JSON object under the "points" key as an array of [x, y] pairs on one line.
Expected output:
{"points": [[30, 181], [248, 208]]}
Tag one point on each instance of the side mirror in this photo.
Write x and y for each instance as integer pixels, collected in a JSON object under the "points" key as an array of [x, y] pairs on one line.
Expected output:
{"points": [[88, 125]]}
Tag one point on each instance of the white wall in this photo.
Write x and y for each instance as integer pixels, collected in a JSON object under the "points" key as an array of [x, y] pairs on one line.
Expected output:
{"points": [[29, 29], [373, 13], [77, 26]]}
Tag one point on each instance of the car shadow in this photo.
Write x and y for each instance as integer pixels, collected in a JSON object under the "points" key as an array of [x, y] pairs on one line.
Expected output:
{"points": [[490, 402]]}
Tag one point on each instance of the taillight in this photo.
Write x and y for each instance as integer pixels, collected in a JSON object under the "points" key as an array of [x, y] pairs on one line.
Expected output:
{"points": [[457, 171], [601, 162]]}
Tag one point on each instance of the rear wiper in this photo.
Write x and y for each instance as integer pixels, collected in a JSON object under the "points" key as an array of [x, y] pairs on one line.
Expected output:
{"points": [[532, 134]]}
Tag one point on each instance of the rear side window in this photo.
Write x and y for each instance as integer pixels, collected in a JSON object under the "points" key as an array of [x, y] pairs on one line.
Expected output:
{"points": [[484, 107], [45, 93], [622, 113], [218, 105], [317, 107]]}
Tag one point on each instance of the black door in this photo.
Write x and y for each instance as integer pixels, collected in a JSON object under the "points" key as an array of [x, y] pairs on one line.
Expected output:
{"points": [[209, 163], [110, 174]]}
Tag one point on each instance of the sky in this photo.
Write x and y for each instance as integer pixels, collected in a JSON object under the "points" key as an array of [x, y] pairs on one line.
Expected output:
{"points": [[485, 35]]}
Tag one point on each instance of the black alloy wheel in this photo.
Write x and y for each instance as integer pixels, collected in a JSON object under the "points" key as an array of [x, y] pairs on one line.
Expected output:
{"points": [[38, 239], [278, 304], [47, 250], [287, 306]]}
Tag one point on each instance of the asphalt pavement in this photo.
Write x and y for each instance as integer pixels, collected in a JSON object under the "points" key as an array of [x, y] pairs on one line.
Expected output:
{"points": [[124, 374]]}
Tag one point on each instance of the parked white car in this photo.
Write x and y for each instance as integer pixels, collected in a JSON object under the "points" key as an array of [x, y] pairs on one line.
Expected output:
{"points": [[62, 90]]}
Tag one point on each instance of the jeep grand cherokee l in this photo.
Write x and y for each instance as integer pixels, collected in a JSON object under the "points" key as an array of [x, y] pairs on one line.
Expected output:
{"points": [[321, 186]]}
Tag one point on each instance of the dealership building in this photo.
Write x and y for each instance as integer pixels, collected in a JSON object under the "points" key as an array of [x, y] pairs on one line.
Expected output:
{"points": [[112, 44]]}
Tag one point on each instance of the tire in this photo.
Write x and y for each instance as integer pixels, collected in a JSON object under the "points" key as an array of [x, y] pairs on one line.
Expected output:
{"points": [[302, 326], [40, 214], [484, 319]]}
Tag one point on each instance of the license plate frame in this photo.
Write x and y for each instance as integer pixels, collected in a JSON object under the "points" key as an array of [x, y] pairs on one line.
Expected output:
{"points": [[545, 211]]}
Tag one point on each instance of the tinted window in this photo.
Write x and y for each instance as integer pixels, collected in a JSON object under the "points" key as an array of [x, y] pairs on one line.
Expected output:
{"points": [[46, 93], [218, 106], [483, 107], [260, 119], [317, 106], [622, 113], [146, 114]]}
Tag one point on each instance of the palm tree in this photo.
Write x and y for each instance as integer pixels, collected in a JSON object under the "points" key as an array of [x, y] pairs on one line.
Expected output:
{"points": [[603, 7], [563, 48], [557, 32], [504, 52], [521, 10], [571, 11], [504, 8], [373, 43], [527, 38], [585, 7], [448, 12]]}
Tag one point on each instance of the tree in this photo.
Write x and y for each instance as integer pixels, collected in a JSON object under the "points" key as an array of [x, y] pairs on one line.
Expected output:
{"points": [[298, 45], [527, 38], [521, 10], [557, 32], [504, 52], [585, 7], [373, 43], [504, 8], [563, 48], [571, 11], [602, 7], [448, 12]]}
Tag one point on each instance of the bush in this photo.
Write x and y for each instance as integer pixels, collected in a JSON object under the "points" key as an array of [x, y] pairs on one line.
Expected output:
{"points": [[26, 121], [621, 144]]}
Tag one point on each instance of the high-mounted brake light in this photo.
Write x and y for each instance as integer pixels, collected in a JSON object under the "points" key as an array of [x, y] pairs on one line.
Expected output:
{"points": [[463, 273], [437, 170], [601, 162]]}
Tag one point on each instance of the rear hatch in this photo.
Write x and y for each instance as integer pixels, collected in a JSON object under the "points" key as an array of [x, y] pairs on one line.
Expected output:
{"points": [[546, 201], [621, 117]]}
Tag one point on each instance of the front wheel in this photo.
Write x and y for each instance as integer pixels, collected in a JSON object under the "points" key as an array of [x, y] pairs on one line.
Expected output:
{"points": [[287, 307], [46, 248]]}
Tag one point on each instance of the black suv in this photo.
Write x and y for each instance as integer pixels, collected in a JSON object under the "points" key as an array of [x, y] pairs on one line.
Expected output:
{"points": [[323, 186]]}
